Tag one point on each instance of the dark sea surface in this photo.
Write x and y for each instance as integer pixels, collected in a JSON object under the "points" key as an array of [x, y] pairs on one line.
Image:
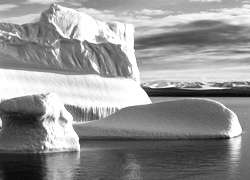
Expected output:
{"points": [[143, 159]]}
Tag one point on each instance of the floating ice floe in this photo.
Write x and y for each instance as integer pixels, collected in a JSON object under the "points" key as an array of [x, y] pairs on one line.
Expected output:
{"points": [[176, 119]]}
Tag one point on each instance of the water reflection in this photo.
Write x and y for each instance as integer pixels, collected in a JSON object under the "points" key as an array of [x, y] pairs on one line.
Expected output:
{"points": [[131, 160], [39, 166], [235, 156], [131, 168], [136, 160]]}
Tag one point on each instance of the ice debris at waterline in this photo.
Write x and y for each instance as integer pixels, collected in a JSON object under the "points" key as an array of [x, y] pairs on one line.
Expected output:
{"points": [[90, 64], [36, 124], [177, 119]]}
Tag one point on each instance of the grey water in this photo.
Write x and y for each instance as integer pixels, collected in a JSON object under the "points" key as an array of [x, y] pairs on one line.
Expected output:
{"points": [[143, 159]]}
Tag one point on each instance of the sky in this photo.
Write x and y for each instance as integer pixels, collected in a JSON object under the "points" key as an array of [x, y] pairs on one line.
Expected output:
{"points": [[175, 40]]}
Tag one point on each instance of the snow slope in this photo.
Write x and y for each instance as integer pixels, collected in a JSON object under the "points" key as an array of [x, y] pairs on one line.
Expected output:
{"points": [[177, 119], [90, 64]]}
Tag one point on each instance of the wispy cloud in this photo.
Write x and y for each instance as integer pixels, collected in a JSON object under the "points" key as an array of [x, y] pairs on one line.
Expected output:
{"points": [[210, 45], [21, 19], [7, 7], [73, 3], [43, 2], [192, 63], [103, 15], [154, 21], [148, 12], [245, 2], [205, 0], [199, 33]]}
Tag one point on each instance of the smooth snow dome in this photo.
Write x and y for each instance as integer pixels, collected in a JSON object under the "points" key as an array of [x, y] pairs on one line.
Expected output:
{"points": [[36, 124], [90, 64], [177, 119]]}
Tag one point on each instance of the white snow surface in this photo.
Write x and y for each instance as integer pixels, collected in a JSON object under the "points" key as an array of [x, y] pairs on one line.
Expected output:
{"points": [[36, 124], [67, 40], [189, 118]]}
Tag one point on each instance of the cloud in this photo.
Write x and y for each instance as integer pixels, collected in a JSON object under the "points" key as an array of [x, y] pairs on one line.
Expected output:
{"points": [[194, 47], [232, 16], [177, 62], [148, 22], [203, 74], [205, 0], [43, 2], [66, 3], [137, 18], [151, 12], [147, 12], [199, 33], [74, 3], [202, 44], [245, 2], [7, 7], [102, 15], [21, 19]]}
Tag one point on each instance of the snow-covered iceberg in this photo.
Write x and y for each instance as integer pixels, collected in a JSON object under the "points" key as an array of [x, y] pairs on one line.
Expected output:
{"points": [[36, 124], [177, 119], [90, 64]]}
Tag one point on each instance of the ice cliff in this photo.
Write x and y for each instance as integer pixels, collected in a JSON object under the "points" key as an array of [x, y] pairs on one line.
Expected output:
{"points": [[90, 64], [177, 119], [36, 124]]}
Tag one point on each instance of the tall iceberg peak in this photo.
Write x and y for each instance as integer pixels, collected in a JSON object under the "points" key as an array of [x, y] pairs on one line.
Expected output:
{"points": [[90, 64], [71, 24], [67, 40]]}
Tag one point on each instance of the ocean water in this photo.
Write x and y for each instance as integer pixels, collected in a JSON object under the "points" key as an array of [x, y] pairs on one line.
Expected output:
{"points": [[143, 159]]}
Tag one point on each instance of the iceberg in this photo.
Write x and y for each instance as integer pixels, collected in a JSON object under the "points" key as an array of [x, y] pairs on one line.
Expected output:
{"points": [[90, 64], [36, 124], [190, 118]]}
